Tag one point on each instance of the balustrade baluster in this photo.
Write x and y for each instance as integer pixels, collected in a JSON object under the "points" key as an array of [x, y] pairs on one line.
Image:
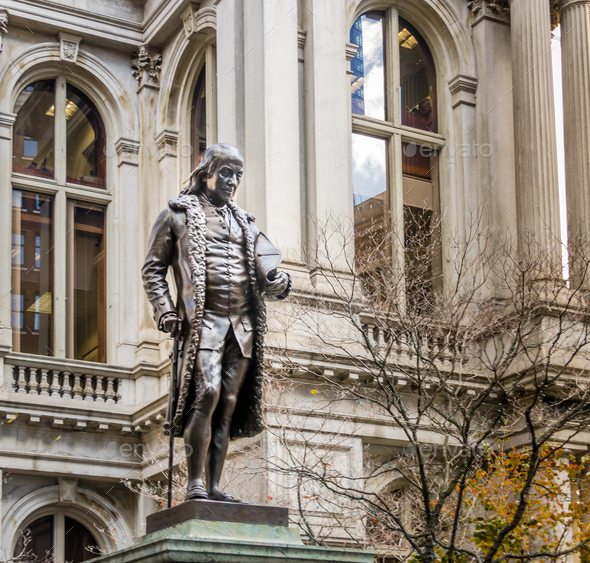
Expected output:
{"points": [[44, 385], [21, 384]]}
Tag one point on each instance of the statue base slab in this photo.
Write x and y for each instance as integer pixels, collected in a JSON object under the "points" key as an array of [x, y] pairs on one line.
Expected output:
{"points": [[207, 541], [217, 511]]}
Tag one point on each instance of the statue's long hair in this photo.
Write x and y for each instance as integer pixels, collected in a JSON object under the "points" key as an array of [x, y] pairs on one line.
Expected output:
{"points": [[205, 168]]}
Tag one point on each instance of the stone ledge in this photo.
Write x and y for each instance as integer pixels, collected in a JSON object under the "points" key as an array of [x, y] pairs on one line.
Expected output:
{"points": [[201, 541]]}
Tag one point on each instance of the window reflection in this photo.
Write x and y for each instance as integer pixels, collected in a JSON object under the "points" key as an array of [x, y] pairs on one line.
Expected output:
{"points": [[32, 273], [33, 130], [421, 208], [369, 176], [86, 158], [368, 71], [199, 119], [86, 282], [418, 80]]}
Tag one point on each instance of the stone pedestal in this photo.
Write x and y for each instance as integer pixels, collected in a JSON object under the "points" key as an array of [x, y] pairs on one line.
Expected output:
{"points": [[208, 539]]}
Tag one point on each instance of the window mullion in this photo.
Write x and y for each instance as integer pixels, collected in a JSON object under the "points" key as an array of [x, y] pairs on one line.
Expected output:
{"points": [[60, 130], [59, 534], [392, 72], [60, 269], [396, 202]]}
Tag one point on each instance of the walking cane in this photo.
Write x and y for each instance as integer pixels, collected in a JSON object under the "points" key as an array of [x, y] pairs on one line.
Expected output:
{"points": [[169, 424]]}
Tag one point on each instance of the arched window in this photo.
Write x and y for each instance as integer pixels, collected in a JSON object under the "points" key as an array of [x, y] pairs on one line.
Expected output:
{"points": [[56, 537], [58, 223], [199, 119], [395, 140]]}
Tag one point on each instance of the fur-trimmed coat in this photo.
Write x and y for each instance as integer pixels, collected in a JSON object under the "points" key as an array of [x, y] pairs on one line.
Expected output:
{"points": [[179, 239]]}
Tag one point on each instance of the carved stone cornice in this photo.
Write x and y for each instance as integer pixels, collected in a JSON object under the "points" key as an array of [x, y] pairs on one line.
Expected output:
{"points": [[127, 151], [495, 10], [199, 21], [463, 90], [3, 26], [167, 143], [6, 122], [146, 65]]}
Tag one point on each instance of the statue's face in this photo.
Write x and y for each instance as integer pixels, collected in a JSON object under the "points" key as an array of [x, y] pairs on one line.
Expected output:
{"points": [[225, 178]]}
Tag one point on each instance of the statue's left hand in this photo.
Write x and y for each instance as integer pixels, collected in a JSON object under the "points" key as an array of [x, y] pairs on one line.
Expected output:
{"points": [[278, 285]]}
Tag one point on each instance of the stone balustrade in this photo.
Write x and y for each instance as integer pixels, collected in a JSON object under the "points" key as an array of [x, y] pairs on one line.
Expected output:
{"points": [[55, 379]]}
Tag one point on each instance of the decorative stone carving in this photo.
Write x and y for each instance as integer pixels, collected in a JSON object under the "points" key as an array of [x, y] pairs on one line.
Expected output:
{"points": [[68, 47], [495, 10], [146, 65], [555, 19], [3, 26], [195, 21]]}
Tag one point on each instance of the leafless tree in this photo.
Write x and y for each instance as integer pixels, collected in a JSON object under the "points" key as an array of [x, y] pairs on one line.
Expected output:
{"points": [[448, 365]]}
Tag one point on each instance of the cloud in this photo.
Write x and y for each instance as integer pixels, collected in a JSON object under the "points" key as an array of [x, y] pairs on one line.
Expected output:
{"points": [[374, 81], [369, 157]]}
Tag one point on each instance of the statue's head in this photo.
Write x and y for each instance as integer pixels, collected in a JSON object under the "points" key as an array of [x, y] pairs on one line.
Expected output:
{"points": [[218, 174]]}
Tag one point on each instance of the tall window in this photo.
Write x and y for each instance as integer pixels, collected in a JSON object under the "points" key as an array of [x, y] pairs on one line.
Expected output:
{"points": [[395, 140], [58, 223]]}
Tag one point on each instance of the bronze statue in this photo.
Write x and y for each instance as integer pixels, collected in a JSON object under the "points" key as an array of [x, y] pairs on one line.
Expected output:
{"points": [[223, 268]]}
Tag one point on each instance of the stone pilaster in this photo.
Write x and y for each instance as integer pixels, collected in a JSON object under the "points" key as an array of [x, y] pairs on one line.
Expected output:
{"points": [[3, 25], [6, 124], [575, 52], [534, 125]]}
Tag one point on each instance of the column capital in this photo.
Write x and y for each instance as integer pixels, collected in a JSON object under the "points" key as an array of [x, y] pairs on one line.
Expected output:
{"points": [[146, 65], [555, 12], [494, 10], [565, 4]]}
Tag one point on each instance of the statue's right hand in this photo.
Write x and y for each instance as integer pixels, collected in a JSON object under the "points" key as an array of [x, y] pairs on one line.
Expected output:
{"points": [[171, 323]]}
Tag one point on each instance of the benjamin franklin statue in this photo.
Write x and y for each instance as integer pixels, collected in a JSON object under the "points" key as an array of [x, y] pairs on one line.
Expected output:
{"points": [[217, 256]]}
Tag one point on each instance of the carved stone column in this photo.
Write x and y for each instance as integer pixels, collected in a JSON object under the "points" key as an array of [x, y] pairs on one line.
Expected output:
{"points": [[575, 53], [534, 125]]}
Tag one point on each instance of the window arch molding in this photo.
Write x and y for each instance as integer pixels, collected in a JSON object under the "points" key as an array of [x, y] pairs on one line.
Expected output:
{"points": [[46, 500], [453, 52], [93, 78], [185, 62]]}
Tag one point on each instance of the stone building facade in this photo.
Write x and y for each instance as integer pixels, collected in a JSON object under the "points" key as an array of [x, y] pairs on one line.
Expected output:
{"points": [[105, 107]]}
